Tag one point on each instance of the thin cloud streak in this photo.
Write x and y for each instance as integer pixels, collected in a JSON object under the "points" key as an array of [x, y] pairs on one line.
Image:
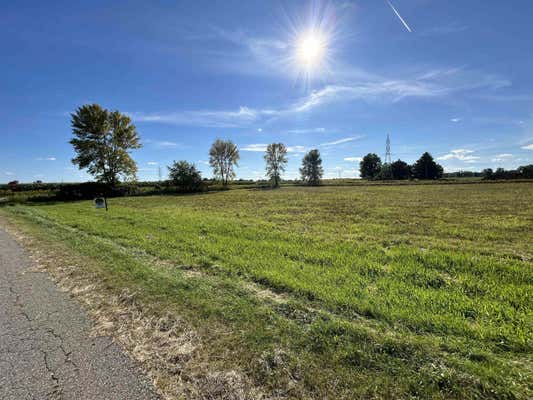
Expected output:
{"points": [[341, 141], [353, 159], [433, 84], [400, 17], [261, 147]]}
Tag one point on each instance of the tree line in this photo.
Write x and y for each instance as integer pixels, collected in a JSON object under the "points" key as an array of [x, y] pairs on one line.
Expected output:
{"points": [[103, 140], [224, 156], [425, 167]]}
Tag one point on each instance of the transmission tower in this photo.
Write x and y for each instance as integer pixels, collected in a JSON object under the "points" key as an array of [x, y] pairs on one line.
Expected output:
{"points": [[388, 159], [159, 172]]}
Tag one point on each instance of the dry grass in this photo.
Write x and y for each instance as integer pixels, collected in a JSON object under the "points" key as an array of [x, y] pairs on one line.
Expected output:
{"points": [[167, 348]]}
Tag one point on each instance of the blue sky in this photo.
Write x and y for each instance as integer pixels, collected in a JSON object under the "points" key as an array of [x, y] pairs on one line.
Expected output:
{"points": [[450, 77]]}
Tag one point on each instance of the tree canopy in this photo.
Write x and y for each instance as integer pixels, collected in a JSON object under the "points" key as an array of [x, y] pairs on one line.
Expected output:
{"points": [[400, 170], [276, 159], [370, 166], [185, 176], [427, 168], [102, 140], [311, 170], [223, 155]]}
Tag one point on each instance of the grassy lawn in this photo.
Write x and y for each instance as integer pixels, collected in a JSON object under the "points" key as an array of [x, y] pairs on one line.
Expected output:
{"points": [[420, 291]]}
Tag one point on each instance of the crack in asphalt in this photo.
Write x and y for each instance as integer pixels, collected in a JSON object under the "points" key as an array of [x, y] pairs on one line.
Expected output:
{"points": [[46, 350]]}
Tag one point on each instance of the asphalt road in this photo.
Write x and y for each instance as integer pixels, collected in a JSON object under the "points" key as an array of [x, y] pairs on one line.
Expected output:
{"points": [[45, 348]]}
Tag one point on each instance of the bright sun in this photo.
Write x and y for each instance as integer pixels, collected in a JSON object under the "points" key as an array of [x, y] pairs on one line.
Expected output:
{"points": [[310, 50]]}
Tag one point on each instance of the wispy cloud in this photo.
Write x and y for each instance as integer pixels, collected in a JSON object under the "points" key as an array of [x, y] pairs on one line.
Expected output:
{"points": [[460, 154], [261, 147], [152, 163], [45, 158], [502, 157], [455, 119], [307, 130], [207, 118], [353, 159], [528, 147], [296, 149], [162, 144], [165, 144], [431, 84], [343, 140], [400, 17]]}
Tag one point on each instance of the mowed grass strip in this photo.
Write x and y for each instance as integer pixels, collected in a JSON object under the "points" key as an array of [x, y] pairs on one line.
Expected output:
{"points": [[442, 273]]}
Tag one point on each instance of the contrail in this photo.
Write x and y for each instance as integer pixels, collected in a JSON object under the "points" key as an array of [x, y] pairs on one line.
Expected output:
{"points": [[399, 16]]}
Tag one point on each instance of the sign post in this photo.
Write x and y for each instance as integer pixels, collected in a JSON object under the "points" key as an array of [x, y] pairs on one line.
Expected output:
{"points": [[100, 202]]}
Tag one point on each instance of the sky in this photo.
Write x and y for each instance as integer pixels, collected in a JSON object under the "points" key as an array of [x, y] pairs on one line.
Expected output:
{"points": [[450, 77]]}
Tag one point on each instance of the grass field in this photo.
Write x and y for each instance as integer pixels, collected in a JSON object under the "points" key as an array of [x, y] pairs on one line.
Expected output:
{"points": [[420, 291]]}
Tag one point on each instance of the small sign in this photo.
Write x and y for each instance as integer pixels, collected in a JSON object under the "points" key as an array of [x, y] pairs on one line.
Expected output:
{"points": [[99, 202]]}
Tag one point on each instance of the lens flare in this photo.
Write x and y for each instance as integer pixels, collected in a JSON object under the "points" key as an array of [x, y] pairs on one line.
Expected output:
{"points": [[310, 50], [312, 40]]}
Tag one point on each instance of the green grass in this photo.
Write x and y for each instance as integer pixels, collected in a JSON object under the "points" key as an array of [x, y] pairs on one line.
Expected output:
{"points": [[394, 291]]}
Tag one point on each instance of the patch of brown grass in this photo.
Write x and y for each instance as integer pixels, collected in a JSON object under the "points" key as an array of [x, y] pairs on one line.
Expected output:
{"points": [[167, 348]]}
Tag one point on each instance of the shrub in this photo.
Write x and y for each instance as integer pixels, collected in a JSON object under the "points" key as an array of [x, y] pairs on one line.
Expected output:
{"points": [[185, 176], [90, 190]]}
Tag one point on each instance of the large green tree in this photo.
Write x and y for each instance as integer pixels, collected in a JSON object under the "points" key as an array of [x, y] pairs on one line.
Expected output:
{"points": [[185, 176], [400, 170], [370, 166], [223, 156], [311, 170], [276, 159], [427, 168], [102, 141]]}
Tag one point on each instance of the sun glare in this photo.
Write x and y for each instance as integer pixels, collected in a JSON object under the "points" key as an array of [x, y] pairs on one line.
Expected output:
{"points": [[312, 39], [311, 48]]}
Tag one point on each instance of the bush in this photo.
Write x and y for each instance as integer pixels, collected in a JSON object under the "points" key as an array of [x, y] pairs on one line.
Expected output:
{"points": [[91, 190], [185, 176]]}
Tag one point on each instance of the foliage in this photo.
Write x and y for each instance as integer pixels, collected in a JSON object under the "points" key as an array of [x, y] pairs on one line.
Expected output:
{"points": [[185, 176], [13, 185], [487, 173], [400, 170], [385, 173], [463, 174], [526, 171], [427, 168], [276, 159], [101, 141], [370, 166], [223, 155], [419, 291], [522, 172], [91, 190], [311, 170]]}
